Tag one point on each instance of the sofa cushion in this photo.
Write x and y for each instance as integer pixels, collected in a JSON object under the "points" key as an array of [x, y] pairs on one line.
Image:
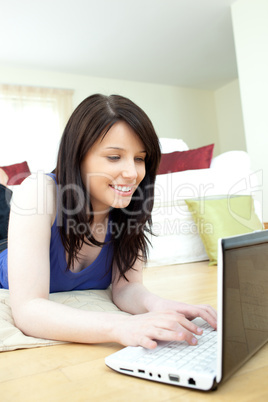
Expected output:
{"points": [[168, 145], [192, 159], [17, 173], [220, 217]]}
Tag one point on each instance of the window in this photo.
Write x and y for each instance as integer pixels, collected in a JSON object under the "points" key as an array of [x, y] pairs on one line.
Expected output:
{"points": [[32, 120]]}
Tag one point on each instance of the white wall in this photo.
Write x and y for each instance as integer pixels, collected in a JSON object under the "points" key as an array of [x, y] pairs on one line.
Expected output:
{"points": [[251, 42], [175, 112], [229, 118]]}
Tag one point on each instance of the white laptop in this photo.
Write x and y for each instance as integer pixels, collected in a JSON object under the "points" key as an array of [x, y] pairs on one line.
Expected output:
{"points": [[242, 324]]}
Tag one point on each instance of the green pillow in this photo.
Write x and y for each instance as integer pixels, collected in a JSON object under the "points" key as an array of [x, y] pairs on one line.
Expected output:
{"points": [[222, 217]]}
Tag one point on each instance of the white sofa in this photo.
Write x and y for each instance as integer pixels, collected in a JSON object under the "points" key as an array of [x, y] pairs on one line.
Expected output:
{"points": [[177, 239]]}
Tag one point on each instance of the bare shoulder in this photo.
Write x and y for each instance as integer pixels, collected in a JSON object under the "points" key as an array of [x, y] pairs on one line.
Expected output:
{"points": [[35, 196]]}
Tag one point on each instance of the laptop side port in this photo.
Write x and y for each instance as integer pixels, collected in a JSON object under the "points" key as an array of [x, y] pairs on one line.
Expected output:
{"points": [[174, 377], [125, 369], [141, 371], [191, 381]]}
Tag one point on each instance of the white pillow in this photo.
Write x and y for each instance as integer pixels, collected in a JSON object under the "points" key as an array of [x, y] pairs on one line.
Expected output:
{"points": [[238, 160], [177, 239], [172, 145]]}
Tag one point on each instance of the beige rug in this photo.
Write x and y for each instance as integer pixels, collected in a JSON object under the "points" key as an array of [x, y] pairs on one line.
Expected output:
{"points": [[12, 338]]}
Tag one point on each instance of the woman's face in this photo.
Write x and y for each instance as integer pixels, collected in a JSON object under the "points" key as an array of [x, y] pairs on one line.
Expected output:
{"points": [[113, 168]]}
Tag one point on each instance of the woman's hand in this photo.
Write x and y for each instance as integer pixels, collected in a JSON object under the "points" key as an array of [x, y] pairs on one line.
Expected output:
{"points": [[146, 329], [154, 318], [190, 311], [204, 311]]}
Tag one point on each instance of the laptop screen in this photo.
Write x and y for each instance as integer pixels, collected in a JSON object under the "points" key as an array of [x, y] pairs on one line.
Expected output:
{"points": [[245, 298]]}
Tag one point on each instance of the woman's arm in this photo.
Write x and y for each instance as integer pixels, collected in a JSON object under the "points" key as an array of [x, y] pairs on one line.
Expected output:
{"points": [[32, 214], [166, 319]]}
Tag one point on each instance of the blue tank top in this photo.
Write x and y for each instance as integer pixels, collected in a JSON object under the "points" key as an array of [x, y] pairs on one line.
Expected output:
{"points": [[96, 276]]}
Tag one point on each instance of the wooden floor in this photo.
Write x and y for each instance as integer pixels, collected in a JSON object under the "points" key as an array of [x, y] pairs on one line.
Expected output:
{"points": [[74, 372]]}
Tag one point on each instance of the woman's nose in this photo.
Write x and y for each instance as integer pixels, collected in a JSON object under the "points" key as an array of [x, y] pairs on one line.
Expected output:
{"points": [[130, 171]]}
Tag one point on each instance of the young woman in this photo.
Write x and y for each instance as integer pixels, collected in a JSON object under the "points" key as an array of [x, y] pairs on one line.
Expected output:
{"points": [[85, 227]]}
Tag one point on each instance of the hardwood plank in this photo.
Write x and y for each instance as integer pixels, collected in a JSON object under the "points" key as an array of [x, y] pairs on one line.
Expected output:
{"points": [[77, 372]]}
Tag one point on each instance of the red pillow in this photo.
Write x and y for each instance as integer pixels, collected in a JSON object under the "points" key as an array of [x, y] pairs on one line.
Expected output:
{"points": [[17, 173], [199, 158]]}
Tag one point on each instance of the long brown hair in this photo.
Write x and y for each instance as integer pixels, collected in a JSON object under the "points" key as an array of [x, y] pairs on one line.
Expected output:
{"points": [[90, 120]]}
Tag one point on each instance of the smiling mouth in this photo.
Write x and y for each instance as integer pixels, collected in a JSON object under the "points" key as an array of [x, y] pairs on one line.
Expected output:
{"points": [[122, 189]]}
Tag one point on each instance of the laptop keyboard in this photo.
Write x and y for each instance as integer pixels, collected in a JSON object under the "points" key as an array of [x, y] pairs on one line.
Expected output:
{"points": [[180, 355]]}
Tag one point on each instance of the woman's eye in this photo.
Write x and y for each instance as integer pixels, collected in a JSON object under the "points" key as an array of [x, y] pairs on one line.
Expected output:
{"points": [[113, 158], [140, 159]]}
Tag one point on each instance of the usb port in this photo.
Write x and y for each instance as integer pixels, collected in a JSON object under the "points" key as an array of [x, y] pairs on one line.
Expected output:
{"points": [[174, 377], [141, 371]]}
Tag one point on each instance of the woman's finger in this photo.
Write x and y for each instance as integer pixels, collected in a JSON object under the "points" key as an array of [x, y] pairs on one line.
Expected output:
{"points": [[161, 334], [206, 312], [207, 315]]}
